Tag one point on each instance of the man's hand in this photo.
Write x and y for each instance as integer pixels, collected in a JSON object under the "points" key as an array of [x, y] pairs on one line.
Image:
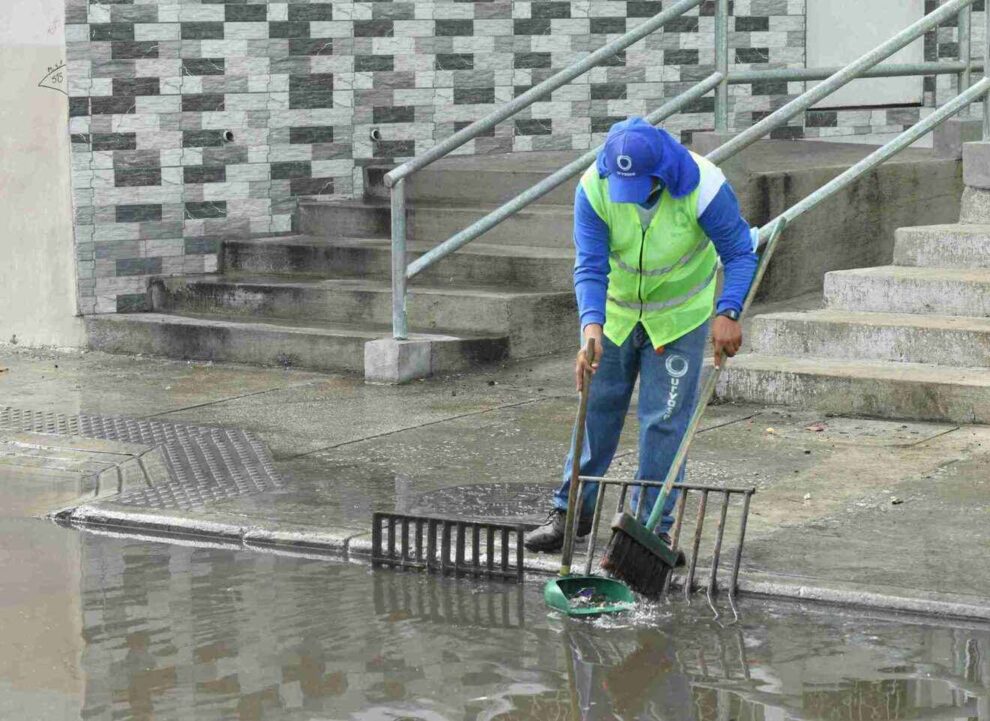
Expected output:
{"points": [[726, 337], [591, 331]]}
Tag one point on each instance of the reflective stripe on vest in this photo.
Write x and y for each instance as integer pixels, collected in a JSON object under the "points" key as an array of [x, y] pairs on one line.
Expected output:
{"points": [[648, 307], [683, 260]]}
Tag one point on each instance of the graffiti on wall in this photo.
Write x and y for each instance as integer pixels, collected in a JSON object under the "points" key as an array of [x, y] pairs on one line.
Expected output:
{"points": [[55, 78]]}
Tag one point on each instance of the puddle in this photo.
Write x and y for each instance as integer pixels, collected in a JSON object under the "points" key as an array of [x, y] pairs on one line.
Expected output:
{"points": [[103, 628]]}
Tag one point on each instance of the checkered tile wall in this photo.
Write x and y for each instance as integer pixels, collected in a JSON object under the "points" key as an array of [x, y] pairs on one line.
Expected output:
{"points": [[193, 120]]}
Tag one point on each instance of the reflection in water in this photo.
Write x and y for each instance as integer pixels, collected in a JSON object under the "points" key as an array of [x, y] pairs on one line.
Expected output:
{"points": [[175, 632]]}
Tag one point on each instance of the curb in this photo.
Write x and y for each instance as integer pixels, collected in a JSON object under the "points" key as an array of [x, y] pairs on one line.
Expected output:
{"points": [[356, 545]]}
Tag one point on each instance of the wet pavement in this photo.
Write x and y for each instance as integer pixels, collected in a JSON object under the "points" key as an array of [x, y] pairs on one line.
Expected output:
{"points": [[846, 509], [102, 627]]}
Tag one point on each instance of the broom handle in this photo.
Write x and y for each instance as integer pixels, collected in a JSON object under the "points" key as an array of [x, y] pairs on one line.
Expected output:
{"points": [[570, 522], [708, 390]]}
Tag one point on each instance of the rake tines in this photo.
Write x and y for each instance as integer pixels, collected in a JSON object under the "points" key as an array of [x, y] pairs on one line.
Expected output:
{"points": [[690, 494]]}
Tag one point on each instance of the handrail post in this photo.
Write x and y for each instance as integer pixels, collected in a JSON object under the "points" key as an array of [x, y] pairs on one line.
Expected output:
{"points": [[986, 74], [965, 31], [722, 65], [400, 330]]}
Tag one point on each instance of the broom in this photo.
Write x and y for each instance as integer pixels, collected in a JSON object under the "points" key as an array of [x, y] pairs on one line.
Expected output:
{"points": [[635, 554]]}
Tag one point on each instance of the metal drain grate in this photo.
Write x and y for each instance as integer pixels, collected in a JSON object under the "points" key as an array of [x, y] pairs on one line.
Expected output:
{"points": [[447, 546], [205, 465]]}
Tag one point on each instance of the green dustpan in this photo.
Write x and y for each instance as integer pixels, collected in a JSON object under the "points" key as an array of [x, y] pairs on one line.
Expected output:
{"points": [[584, 595], [569, 595]]}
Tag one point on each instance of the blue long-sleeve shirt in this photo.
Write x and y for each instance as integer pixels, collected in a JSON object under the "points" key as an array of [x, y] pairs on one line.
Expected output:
{"points": [[718, 216]]}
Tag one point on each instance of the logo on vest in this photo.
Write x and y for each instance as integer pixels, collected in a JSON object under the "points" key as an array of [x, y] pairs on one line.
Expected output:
{"points": [[682, 219], [625, 164]]}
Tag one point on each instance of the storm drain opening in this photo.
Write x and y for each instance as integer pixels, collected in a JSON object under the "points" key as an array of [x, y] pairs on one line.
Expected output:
{"points": [[447, 546]]}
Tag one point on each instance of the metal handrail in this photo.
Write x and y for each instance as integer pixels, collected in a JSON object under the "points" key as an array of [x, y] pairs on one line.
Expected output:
{"points": [[539, 91], [845, 75], [883, 70], [537, 191], [869, 65], [879, 156]]}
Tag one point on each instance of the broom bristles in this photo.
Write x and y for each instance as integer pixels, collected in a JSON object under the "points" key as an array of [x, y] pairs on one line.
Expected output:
{"points": [[634, 565]]}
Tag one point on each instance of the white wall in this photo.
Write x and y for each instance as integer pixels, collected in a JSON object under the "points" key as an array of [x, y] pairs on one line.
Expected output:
{"points": [[840, 31], [37, 274]]}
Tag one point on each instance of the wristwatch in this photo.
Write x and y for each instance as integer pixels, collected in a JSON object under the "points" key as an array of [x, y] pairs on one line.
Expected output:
{"points": [[730, 314]]}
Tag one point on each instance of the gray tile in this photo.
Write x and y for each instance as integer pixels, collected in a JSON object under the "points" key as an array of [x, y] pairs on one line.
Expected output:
{"points": [[112, 105], [138, 266], [203, 66], [160, 230], [245, 13], [114, 141], [311, 134], [311, 11], [138, 213], [202, 138], [136, 86], [204, 174], [312, 186], [99, 32], [131, 50], [137, 177], [207, 209], [290, 170], [288, 30], [131, 159], [310, 46], [205, 102], [373, 28], [201, 31]]}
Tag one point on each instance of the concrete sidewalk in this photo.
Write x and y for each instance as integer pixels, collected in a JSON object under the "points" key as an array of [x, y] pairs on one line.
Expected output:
{"points": [[847, 510]]}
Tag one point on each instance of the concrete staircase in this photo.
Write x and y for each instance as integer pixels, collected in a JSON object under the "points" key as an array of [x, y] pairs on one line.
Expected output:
{"points": [[313, 300], [909, 340], [321, 299]]}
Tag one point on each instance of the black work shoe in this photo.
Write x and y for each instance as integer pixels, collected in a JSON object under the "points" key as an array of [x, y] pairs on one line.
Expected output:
{"points": [[681, 559], [549, 537]]}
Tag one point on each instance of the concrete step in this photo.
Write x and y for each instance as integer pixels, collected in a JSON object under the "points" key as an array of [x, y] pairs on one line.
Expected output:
{"points": [[901, 289], [974, 206], [869, 388], [538, 225], [535, 322], [308, 345], [538, 268], [904, 337], [488, 179], [943, 246]]}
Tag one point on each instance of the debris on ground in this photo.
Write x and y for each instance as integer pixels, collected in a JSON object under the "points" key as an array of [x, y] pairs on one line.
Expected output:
{"points": [[818, 427], [589, 598], [895, 501]]}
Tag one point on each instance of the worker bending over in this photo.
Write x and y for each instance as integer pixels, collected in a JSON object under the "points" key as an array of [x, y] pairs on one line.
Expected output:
{"points": [[651, 220]]}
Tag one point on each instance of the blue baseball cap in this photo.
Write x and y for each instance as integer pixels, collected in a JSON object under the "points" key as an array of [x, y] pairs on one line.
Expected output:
{"points": [[632, 156]]}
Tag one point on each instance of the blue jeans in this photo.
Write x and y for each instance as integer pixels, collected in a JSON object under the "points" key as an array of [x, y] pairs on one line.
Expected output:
{"points": [[668, 391]]}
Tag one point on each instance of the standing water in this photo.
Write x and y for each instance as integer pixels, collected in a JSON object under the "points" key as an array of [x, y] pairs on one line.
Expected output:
{"points": [[98, 628]]}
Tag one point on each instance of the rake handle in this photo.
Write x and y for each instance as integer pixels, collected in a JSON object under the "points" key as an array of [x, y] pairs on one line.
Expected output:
{"points": [[577, 446], [708, 390]]}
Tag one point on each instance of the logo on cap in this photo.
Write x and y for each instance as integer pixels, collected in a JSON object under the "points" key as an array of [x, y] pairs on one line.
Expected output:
{"points": [[624, 162]]}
